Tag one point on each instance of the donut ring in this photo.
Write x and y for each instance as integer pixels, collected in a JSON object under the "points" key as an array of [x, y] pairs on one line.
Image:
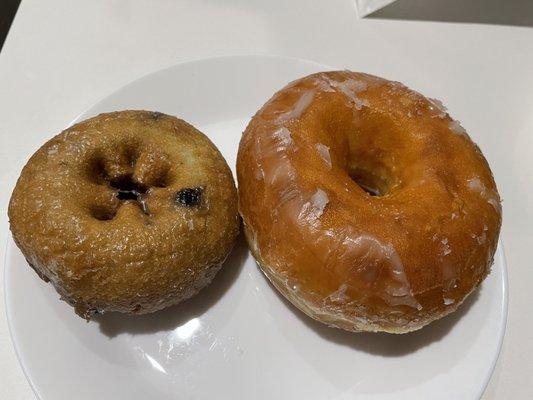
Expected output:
{"points": [[129, 211], [365, 204]]}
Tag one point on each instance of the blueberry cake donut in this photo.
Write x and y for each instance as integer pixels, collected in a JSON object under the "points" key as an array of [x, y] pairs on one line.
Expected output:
{"points": [[129, 211]]}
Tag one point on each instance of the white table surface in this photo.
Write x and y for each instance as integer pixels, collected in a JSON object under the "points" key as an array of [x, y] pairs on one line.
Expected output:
{"points": [[61, 56]]}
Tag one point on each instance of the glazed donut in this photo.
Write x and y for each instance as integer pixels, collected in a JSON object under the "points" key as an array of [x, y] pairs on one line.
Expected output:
{"points": [[129, 211], [365, 204]]}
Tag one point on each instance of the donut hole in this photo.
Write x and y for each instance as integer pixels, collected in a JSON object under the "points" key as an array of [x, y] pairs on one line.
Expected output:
{"points": [[127, 195], [127, 188], [372, 182], [103, 213]]}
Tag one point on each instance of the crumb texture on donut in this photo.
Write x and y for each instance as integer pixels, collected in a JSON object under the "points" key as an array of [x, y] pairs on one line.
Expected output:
{"points": [[129, 211], [365, 203]]}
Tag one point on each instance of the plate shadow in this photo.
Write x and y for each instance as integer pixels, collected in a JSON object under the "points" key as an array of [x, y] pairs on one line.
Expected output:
{"points": [[113, 324], [385, 344]]}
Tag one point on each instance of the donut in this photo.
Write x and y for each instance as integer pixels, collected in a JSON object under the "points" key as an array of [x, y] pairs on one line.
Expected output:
{"points": [[365, 204], [129, 211]]}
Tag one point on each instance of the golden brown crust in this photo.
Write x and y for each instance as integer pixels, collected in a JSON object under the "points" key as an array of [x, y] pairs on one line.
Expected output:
{"points": [[392, 262], [129, 211]]}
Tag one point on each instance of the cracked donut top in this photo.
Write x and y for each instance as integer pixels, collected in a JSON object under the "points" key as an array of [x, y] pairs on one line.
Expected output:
{"points": [[128, 211]]}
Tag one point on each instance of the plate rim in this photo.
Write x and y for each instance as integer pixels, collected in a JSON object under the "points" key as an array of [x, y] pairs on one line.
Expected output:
{"points": [[505, 312], [9, 243], [8, 309], [192, 61]]}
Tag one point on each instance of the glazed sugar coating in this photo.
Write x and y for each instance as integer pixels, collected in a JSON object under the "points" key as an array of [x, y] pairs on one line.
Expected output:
{"points": [[129, 211], [365, 204]]}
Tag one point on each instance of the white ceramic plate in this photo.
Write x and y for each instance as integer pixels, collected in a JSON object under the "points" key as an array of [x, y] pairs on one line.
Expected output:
{"points": [[239, 339]]}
